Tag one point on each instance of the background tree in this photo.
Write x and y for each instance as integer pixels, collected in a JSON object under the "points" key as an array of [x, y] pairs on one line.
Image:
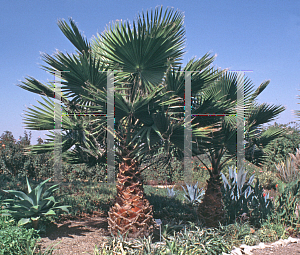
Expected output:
{"points": [[14, 162], [278, 150]]}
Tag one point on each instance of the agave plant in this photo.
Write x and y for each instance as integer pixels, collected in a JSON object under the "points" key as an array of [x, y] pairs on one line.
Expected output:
{"points": [[171, 192], [193, 194], [29, 208], [242, 200], [260, 205], [236, 193], [238, 179]]}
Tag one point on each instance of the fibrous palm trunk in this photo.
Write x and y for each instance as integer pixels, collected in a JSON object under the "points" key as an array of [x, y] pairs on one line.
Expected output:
{"points": [[211, 210], [132, 212]]}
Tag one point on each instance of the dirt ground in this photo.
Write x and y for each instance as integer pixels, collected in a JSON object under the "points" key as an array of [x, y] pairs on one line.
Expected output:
{"points": [[290, 249], [79, 236]]}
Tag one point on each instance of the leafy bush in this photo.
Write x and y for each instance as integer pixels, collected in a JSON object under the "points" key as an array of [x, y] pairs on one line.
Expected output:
{"points": [[15, 240], [286, 204], [170, 208], [13, 162], [278, 149], [235, 233], [268, 179], [163, 174], [82, 172], [274, 223], [87, 197], [172, 173], [251, 240], [267, 235]]}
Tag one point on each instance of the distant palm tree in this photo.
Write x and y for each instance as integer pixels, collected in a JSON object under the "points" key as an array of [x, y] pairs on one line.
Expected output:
{"points": [[149, 115]]}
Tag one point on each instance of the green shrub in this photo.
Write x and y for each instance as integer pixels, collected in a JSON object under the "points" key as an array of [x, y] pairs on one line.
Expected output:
{"points": [[286, 204], [87, 197], [251, 240], [15, 240], [170, 208], [235, 233], [268, 179], [190, 240], [267, 235], [274, 223]]}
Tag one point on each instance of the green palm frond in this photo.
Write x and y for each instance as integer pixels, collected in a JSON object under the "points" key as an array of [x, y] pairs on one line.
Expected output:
{"points": [[145, 49], [224, 90], [74, 36], [43, 119], [80, 70], [149, 88], [37, 87], [260, 89], [263, 113]]}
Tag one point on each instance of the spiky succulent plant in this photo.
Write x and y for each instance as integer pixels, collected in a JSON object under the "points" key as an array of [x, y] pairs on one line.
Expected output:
{"points": [[193, 194], [29, 208], [171, 192]]}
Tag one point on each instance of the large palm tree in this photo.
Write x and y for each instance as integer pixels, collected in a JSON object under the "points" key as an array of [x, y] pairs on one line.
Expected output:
{"points": [[225, 140], [149, 92]]}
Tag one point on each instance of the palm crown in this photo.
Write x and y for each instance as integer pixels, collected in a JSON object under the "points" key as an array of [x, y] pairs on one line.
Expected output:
{"points": [[149, 88]]}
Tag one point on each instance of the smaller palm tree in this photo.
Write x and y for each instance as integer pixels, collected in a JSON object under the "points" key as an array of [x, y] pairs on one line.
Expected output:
{"points": [[224, 141]]}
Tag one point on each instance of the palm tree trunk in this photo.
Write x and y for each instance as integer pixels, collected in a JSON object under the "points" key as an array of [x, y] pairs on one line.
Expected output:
{"points": [[211, 210], [132, 212]]}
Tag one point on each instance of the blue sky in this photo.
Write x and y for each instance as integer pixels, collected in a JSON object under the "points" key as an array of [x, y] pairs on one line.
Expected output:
{"points": [[263, 36]]}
